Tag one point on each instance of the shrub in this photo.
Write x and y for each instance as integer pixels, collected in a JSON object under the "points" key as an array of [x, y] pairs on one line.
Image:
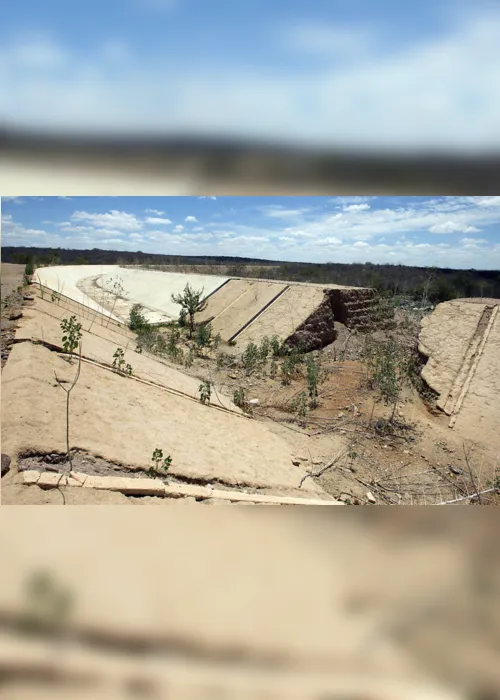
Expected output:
{"points": [[29, 268], [217, 340], [239, 397], [203, 335], [264, 348], [189, 358], [205, 390], [300, 405], [250, 357], [312, 370], [137, 320], [72, 333], [389, 367], [275, 345]]}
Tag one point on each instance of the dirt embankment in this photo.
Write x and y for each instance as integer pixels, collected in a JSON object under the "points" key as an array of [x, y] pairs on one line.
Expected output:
{"points": [[359, 309]]}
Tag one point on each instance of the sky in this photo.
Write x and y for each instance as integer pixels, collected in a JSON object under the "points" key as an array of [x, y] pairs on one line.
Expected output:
{"points": [[457, 232], [344, 73]]}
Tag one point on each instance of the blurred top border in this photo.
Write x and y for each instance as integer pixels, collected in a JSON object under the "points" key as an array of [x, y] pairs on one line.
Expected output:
{"points": [[230, 166]]}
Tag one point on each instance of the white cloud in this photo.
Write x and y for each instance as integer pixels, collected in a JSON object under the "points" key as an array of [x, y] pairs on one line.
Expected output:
{"points": [[356, 207], [206, 197], [119, 220], [360, 244], [157, 220], [452, 227], [155, 211], [179, 227], [190, 218]]}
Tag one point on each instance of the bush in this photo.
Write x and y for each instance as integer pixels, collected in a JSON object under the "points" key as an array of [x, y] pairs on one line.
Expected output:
{"points": [[137, 321], [250, 358], [239, 397], [312, 380], [205, 390], [264, 349], [203, 335], [29, 268], [275, 346], [390, 366]]}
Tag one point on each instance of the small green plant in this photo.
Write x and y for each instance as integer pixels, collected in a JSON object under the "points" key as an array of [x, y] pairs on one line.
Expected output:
{"points": [[54, 297], [29, 268], [203, 335], [188, 362], [172, 344], [137, 321], [239, 397], [119, 362], [264, 349], [275, 345], [159, 462], [250, 358], [301, 407], [182, 321], [217, 340], [231, 343], [312, 371], [273, 368], [205, 390], [72, 333], [289, 367]]}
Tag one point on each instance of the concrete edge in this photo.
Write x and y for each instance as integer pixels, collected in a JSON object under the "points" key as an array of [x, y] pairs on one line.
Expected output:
{"points": [[155, 487]]}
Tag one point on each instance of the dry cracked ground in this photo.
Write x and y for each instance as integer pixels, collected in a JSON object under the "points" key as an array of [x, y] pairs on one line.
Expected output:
{"points": [[444, 450]]}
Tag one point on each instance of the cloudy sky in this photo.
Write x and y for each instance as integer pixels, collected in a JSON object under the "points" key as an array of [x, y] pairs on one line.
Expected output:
{"points": [[351, 73], [459, 232]]}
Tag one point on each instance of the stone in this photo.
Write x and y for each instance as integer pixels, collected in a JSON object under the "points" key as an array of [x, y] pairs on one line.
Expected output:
{"points": [[370, 497], [317, 462], [254, 402], [49, 480], [15, 314], [127, 485], [296, 462], [5, 464], [30, 477]]}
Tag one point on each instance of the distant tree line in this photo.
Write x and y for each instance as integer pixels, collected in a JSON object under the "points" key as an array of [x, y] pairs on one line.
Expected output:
{"points": [[431, 283]]}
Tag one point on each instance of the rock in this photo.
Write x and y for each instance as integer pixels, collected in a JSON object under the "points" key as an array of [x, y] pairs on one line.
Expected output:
{"points": [[5, 464], [15, 314], [317, 462], [254, 402], [296, 462], [370, 497], [28, 297], [455, 470]]}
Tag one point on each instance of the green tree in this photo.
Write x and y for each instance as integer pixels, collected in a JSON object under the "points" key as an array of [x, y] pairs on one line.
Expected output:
{"points": [[191, 302]]}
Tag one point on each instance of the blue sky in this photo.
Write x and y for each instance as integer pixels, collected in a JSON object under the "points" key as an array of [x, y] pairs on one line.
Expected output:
{"points": [[337, 72], [460, 232]]}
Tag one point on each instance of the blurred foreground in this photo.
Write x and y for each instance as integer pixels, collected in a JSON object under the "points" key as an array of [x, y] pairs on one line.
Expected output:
{"points": [[275, 604], [37, 164]]}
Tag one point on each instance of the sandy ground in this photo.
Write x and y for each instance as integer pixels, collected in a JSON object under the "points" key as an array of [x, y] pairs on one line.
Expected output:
{"points": [[12, 276], [285, 609], [123, 419], [462, 340]]}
